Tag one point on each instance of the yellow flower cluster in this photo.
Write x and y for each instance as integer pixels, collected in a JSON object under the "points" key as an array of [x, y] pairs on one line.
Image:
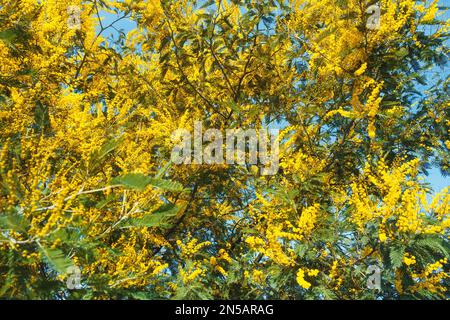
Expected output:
{"points": [[402, 198], [432, 278], [307, 221], [194, 268], [435, 267], [256, 276], [222, 256], [192, 247], [409, 259], [301, 277], [191, 274], [334, 276], [341, 45]]}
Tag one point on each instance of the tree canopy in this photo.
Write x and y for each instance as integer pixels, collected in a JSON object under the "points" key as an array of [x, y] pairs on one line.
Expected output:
{"points": [[90, 197]]}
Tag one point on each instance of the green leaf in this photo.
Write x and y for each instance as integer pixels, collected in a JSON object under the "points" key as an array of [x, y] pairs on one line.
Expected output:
{"points": [[326, 293], [203, 293], [96, 157], [9, 283], [140, 181], [434, 244], [164, 42], [402, 52], [159, 218], [107, 148], [143, 295], [166, 185], [9, 35], [14, 222], [396, 256], [103, 203], [41, 118], [136, 181], [181, 293], [163, 170], [57, 259]]}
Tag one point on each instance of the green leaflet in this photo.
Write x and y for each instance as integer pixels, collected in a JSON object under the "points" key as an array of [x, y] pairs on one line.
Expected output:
{"points": [[159, 218], [163, 170], [96, 158], [14, 222], [135, 181], [167, 185], [57, 259], [433, 244], [138, 181], [396, 256], [9, 35], [41, 118]]}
